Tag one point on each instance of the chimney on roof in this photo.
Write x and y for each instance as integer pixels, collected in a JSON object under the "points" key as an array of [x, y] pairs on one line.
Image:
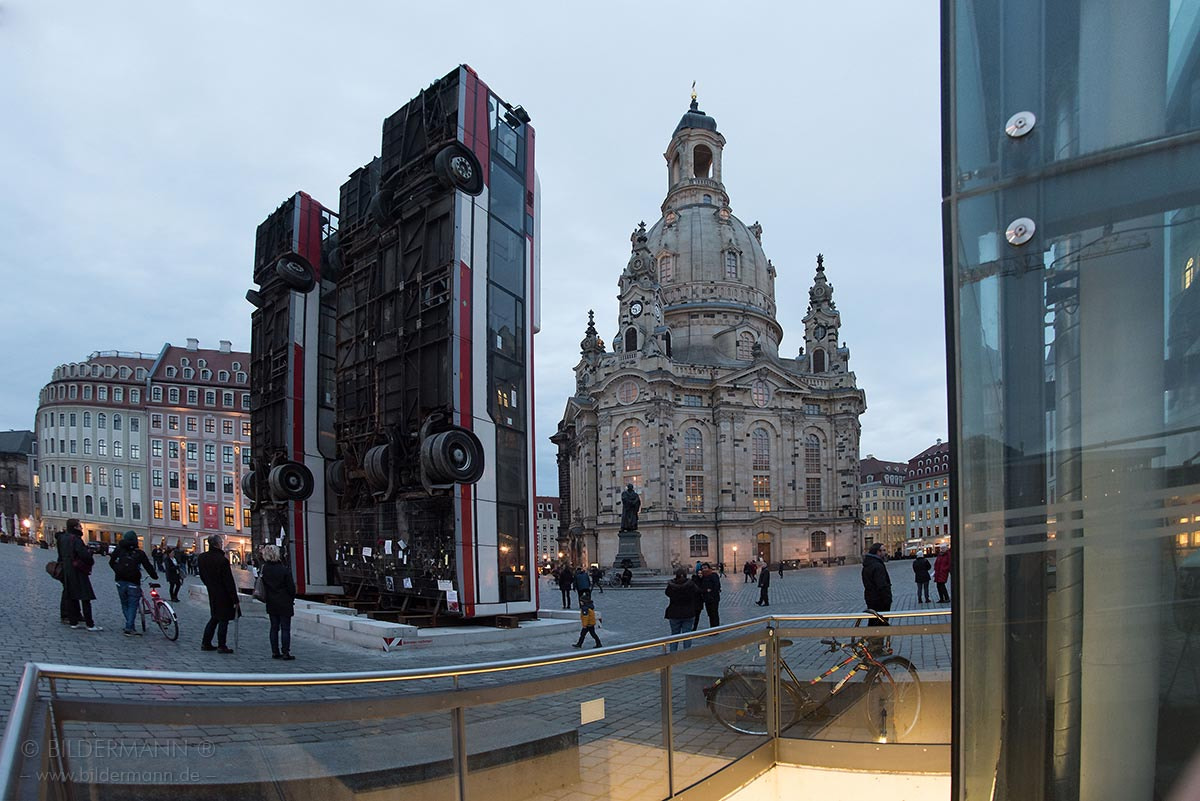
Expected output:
{"points": [[226, 346], [193, 344], [939, 442]]}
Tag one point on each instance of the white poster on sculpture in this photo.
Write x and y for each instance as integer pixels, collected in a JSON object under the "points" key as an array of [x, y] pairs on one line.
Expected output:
{"points": [[443, 584], [368, 552], [387, 547], [451, 601]]}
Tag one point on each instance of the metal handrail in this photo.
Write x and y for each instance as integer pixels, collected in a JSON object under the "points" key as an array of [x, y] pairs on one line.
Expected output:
{"points": [[34, 672]]}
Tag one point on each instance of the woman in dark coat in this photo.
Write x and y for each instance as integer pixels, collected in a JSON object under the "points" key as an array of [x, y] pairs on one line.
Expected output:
{"points": [[77, 563], [281, 601], [566, 581], [174, 573], [921, 568], [685, 599], [223, 604]]}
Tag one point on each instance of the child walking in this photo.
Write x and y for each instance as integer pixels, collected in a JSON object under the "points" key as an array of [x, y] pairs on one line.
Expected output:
{"points": [[587, 619]]}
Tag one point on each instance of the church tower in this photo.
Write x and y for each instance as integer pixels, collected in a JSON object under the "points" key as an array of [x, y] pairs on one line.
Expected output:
{"points": [[735, 450]]}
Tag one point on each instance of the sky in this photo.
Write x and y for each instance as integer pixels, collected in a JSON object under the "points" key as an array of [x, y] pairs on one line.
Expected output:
{"points": [[142, 143]]}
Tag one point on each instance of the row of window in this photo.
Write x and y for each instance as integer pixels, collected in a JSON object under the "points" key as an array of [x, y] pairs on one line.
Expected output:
{"points": [[818, 541], [192, 424], [913, 500], [192, 451], [937, 511], [193, 513], [932, 484], [873, 506], [193, 397], [890, 520], [72, 447], [72, 418], [189, 373], [89, 507], [933, 531], [193, 481], [92, 475], [666, 263], [75, 392]]}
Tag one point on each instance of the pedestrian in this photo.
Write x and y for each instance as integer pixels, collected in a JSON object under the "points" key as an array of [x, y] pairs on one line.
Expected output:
{"points": [[597, 578], [582, 582], [64, 602], [710, 594], [77, 563], [174, 574], [684, 598], [565, 581], [746, 572], [941, 574], [721, 569], [223, 603], [281, 601], [877, 584], [157, 554], [921, 572], [127, 562], [764, 585], [626, 577], [587, 619], [781, 568]]}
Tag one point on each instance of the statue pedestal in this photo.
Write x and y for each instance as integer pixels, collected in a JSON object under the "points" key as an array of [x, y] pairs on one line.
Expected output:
{"points": [[629, 547]]}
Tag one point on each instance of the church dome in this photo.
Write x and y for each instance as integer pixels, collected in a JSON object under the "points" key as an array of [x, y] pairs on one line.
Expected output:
{"points": [[695, 118]]}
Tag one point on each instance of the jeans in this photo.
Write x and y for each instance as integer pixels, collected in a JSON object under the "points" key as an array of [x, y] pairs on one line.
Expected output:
{"points": [[922, 591], [131, 596], [680, 625], [174, 585], [281, 634], [221, 627]]}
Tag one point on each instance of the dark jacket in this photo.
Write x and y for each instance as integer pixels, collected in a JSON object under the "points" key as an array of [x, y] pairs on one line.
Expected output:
{"points": [[565, 578], [218, 579], [877, 584], [76, 582], [921, 569], [281, 589], [685, 599], [127, 569], [710, 587], [764, 576], [172, 568], [582, 582]]}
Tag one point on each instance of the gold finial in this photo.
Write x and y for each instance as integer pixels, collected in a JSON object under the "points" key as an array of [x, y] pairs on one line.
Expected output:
{"points": [[693, 91]]}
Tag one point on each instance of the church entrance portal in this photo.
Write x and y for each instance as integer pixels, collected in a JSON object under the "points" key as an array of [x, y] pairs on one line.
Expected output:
{"points": [[764, 547]]}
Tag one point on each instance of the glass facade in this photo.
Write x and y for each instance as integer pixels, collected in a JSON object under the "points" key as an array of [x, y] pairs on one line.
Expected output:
{"points": [[1071, 209]]}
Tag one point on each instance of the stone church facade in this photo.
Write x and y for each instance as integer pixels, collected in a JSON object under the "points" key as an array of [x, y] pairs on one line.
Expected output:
{"points": [[735, 450]]}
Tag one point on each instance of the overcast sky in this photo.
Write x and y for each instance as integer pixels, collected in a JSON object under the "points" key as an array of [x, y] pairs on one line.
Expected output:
{"points": [[142, 143]]}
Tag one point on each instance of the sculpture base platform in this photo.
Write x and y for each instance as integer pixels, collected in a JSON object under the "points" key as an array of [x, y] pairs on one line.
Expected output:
{"points": [[629, 548]]}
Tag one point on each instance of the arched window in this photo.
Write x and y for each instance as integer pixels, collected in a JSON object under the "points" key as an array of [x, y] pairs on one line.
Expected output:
{"points": [[667, 342], [116, 422], [666, 269], [818, 542], [631, 343], [707, 200], [102, 420], [87, 418], [118, 508], [745, 345], [702, 162], [731, 265], [675, 169], [103, 506], [693, 449], [631, 452], [87, 447], [88, 505], [760, 464], [818, 361], [812, 454], [698, 545]]}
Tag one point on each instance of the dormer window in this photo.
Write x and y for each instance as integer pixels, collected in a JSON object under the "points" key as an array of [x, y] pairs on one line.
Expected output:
{"points": [[666, 269], [708, 200], [745, 345], [171, 372], [731, 265]]}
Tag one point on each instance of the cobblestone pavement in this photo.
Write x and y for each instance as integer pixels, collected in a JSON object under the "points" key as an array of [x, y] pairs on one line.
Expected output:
{"points": [[31, 631]]}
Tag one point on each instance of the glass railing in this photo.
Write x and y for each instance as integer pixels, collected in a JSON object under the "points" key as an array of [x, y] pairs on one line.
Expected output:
{"points": [[638, 721]]}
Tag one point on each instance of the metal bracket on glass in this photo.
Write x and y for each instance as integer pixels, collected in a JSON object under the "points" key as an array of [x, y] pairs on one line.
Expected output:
{"points": [[1020, 231], [1020, 124]]}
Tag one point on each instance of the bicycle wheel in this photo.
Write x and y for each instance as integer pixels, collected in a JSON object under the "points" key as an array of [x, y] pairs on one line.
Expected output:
{"points": [[893, 699], [739, 702], [164, 616]]}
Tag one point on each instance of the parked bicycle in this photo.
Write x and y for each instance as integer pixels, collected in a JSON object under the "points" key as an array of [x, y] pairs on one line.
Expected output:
{"points": [[160, 612], [889, 690]]}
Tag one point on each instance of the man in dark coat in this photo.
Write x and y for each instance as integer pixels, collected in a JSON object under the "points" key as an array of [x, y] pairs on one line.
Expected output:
{"points": [[683, 600], [77, 563], [223, 603], [877, 584], [764, 585], [566, 580], [710, 592], [921, 568]]}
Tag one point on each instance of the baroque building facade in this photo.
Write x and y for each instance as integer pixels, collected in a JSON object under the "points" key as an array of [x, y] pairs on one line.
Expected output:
{"points": [[736, 451]]}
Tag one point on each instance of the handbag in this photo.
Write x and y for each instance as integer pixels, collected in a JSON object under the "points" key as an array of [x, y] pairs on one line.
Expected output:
{"points": [[260, 590], [55, 570]]}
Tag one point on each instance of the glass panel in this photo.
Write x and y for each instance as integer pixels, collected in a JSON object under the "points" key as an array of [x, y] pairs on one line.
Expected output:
{"points": [[507, 196], [506, 324]]}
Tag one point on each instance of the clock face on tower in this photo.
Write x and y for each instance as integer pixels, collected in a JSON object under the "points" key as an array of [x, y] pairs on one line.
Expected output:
{"points": [[635, 308], [820, 331]]}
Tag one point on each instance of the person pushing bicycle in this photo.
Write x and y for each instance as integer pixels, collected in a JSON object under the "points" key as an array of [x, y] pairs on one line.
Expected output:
{"points": [[127, 561]]}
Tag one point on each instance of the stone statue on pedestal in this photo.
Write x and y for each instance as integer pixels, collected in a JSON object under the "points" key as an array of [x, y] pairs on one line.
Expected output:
{"points": [[630, 504]]}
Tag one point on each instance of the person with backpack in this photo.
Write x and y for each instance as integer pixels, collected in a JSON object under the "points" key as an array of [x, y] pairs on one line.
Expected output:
{"points": [[127, 562]]}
